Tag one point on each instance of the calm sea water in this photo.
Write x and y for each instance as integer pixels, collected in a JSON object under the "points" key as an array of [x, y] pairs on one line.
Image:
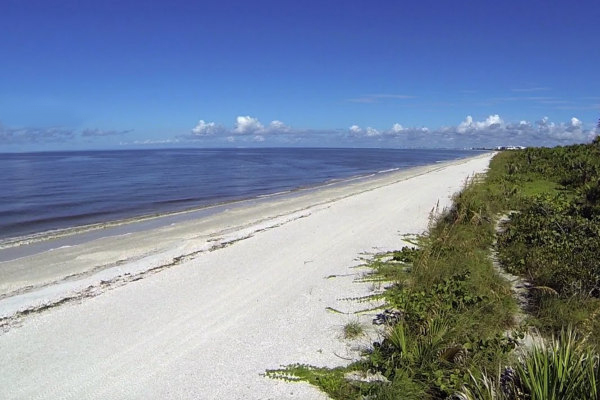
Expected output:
{"points": [[47, 191]]}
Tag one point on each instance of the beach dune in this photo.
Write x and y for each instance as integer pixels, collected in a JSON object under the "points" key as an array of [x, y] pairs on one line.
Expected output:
{"points": [[201, 308]]}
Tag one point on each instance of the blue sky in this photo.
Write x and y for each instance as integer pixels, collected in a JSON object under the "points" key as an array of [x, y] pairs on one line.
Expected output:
{"points": [[119, 74]]}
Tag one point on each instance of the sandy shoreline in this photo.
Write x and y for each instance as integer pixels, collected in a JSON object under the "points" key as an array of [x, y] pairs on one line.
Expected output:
{"points": [[200, 308]]}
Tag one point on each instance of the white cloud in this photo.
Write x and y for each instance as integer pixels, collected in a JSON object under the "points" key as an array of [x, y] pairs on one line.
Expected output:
{"points": [[244, 125], [493, 121], [246, 129], [355, 129], [575, 122], [203, 128], [372, 131], [247, 125], [278, 126], [547, 133], [465, 125], [397, 128], [574, 125], [493, 131], [400, 130], [250, 125], [470, 126], [545, 125]]}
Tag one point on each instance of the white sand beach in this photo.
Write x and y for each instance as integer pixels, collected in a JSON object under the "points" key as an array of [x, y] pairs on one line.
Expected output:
{"points": [[201, 308]]}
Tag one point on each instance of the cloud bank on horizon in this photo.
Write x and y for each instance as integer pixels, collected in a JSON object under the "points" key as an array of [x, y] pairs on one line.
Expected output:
{"points": [[251, 132], [25, 136], [489, 132]]}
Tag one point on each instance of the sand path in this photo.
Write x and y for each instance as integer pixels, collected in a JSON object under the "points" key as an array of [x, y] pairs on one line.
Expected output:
{"points": [[210, 325]]}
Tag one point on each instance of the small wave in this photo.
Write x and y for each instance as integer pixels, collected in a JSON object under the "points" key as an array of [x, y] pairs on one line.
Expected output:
{"points": [[61, 247], [388, 170], [74, 230], [63, 232], [273, 194]]}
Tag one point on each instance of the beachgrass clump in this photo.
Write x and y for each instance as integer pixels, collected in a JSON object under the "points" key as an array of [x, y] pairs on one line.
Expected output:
{"points": [[353, 329]]}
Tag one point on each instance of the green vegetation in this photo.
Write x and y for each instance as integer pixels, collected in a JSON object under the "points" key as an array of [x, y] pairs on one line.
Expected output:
{"points": [[352, 330], [554, 239], [450, 316], [567, 369]]}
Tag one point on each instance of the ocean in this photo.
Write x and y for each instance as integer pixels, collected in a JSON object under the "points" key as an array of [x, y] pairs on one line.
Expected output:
{"points": [[41, 192]]}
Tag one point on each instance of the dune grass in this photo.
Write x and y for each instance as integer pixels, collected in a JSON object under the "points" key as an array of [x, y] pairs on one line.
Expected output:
{"points": [[353, 329]]}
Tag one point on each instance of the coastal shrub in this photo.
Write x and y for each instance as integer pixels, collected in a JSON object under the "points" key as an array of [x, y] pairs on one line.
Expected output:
{"points": [[406, 254], [589, 199], [551, 313], [554, 246]]}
